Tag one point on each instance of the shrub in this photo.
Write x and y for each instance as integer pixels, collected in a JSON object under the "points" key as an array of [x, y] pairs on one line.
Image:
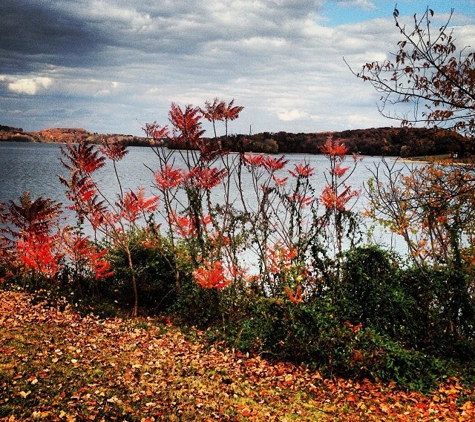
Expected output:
{"points": [[437, 332], [379, 357], [154, 266], [371, 294]]}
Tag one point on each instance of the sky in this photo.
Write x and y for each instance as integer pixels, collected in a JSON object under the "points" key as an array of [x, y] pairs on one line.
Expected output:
{"points": [[111, 66]]}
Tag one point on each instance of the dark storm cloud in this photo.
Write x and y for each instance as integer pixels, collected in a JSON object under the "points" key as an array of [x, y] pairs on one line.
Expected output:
{"points": [[106, 64], [33, 33], [87, 32]]}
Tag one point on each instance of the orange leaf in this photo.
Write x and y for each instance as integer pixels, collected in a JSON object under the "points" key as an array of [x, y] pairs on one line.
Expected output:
{"points": [[468, 405], [246, 412]]}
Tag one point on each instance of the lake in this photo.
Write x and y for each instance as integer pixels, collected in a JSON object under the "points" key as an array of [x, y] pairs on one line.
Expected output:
{"points": [[35, 168]]}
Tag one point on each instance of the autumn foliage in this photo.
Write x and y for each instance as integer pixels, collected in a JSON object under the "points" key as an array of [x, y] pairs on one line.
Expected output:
{"points": [[38, 248], [291, 312], [275, 268], [60, 366]]}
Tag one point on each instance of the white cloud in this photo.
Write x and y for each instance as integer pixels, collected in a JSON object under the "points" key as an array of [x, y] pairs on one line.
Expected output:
{"points": [[106, 91], [291, 115], [30, 86]]}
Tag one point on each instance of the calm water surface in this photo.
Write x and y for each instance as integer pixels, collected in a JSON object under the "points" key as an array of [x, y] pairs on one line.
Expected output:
{"points": [[35, 168]]}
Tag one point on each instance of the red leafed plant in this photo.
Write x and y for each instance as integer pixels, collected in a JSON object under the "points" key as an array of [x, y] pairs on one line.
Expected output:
{"points": [[294, 297], [302, 170], [212, 276], [187, 205], [85, 257], [39, 257], [114, 220], [187, 130], [169, 178], [205, 177], [286, 269], [31, 237], [37, 246], [220, 111], [336, 195], [133, 205], [283, 208]]}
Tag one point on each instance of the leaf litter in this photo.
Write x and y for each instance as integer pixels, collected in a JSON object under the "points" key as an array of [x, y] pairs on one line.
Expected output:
{"points": [[59, 366]]}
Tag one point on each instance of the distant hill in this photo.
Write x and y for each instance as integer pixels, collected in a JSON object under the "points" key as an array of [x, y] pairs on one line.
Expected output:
{"points": [[65, 135], [389, 141], [8, 133]]}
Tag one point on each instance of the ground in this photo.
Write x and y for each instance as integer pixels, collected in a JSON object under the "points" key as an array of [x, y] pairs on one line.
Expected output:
{"points": [[58, 366]]}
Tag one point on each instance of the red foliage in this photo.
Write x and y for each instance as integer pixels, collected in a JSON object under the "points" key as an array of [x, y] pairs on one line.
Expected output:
{"points": [[113, 150], [253, 160], [169, 178], [339, 171], [187, 125], [134, 205], [206, 178], [334, 148], [335, 200], [280, 258], [273, 164], [294, 297], [280, 182], [84, 255], [100, 266], [212, 276], [230, 111], [156, 132], [30, 239], [183, 225], [270, 163], [302, 170], [39, 255], [337, 194], [83, 158], [213, 111], [219, 110]]}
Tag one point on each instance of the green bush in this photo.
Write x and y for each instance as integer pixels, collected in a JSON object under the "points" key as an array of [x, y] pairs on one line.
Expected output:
{"points": [[370, 293], [438, 333], [197, 306], [367, 323], [380, 357], [316, 336], [154, 266]]}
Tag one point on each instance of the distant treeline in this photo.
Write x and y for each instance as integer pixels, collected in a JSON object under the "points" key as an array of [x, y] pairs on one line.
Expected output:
{"points": [[10, 129], [389, 141]]}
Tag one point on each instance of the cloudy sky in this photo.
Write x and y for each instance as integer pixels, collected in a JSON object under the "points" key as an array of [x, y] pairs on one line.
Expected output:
{"points": [[110, 66]]}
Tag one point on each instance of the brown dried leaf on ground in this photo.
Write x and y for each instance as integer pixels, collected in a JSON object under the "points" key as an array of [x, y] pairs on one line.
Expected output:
{"points": [[58, 366]]}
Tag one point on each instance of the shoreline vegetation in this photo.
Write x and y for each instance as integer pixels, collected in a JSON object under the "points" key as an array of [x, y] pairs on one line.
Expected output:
{"points": [[416, 144], [326, 298]]}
